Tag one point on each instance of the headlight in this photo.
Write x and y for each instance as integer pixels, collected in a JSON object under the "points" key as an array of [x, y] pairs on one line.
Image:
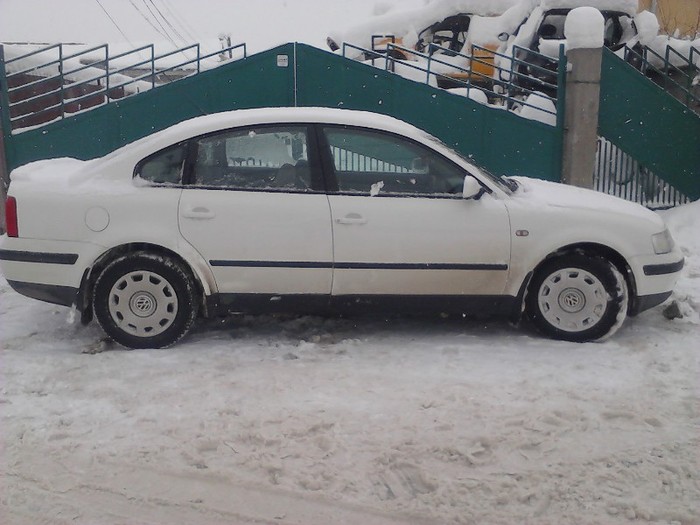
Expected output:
{"points": [[663, 242]]}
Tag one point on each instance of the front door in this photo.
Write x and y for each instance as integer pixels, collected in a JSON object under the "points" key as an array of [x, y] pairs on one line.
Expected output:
{"points": [[401, 226]]}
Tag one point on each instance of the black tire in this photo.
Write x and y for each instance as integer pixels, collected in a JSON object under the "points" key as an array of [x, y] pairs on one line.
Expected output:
{"points": [[144, 300], [577, 298]]}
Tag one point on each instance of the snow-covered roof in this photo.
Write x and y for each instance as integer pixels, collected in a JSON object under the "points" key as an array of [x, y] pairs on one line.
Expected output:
{"points": [[625, 6], [408, 24]]}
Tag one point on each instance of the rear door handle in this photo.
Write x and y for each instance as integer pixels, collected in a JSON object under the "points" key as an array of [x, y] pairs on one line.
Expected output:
{"points": [[352, 218], [198, 213]]}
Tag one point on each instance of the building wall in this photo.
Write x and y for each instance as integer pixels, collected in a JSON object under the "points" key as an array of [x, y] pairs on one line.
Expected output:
{"points": [[681, 15]]}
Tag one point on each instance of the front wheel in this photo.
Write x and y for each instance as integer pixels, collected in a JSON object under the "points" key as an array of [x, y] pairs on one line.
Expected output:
{"points": [[577, 298], [144, 300]]}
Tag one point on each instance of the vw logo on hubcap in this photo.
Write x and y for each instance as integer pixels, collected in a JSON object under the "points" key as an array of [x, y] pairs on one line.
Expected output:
{"points": [[572, 300], [143, 304]]}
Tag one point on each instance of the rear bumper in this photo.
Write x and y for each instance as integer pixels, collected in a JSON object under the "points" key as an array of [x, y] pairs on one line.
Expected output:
{"points": [[50, 293]]}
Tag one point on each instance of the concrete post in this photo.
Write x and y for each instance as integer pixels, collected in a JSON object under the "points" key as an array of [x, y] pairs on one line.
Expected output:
{"points": [[581, 123], [582, 107]]}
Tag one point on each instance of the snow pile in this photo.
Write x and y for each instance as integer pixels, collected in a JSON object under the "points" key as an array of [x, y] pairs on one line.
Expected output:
{"points": [[624, 6], [683, 222], [406, 25], [539, 107], [584, 28], [647, 26], [485, 30]]}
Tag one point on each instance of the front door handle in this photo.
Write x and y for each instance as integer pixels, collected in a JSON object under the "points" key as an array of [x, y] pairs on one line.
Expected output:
{"points": [[198, 213], [352, 218]]}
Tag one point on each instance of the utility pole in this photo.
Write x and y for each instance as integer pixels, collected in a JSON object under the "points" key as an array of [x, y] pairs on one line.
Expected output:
{"points": [[582, 97]]}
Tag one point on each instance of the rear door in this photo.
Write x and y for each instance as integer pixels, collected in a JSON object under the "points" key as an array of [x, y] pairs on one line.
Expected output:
{"points": [[255, 210]]}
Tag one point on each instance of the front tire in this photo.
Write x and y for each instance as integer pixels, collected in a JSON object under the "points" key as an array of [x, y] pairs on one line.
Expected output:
{"points": [[143, 300], [577, 298]]}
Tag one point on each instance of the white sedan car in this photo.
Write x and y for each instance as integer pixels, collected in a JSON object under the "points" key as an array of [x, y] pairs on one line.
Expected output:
{"points": [[312, 210]]}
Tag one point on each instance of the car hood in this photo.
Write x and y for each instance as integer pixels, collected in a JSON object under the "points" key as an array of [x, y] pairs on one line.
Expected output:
{"points": [[554, 195]]}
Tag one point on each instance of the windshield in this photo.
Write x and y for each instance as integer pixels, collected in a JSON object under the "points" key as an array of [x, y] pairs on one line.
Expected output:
{"points": [[504, 183]]}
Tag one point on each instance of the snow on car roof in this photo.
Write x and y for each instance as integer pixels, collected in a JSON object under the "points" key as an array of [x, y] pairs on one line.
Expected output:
{"points": [[244, 117]]}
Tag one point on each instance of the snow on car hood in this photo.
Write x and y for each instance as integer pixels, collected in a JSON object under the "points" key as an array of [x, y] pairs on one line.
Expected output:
{"points": [[540, 192]]}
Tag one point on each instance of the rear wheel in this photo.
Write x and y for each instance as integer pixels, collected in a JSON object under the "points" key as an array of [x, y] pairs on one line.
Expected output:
{"points": [[578, 298], [144, 300]]}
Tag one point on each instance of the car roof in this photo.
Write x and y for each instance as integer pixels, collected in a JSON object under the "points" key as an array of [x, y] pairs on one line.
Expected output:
{"points": [[206, 124]]}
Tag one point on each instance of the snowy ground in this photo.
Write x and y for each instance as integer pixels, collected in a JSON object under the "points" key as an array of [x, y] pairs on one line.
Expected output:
{"points": [[315, 421]]}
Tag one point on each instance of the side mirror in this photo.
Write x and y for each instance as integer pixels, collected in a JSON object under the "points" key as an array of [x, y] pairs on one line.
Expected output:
{"points": [[503, 37], [472, 189]]}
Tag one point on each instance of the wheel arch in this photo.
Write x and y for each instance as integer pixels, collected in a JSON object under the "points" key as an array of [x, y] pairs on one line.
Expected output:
{"points": [[591, 249], [91, 274]]}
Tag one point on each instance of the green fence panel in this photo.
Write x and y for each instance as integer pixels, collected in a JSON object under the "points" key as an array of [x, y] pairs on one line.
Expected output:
{"points": [[651, 126], [298, 74], [256, 81], [499, 140]]}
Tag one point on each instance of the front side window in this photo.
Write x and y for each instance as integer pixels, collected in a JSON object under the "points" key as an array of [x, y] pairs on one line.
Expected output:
{"points": [[374, 163], [164, 167], [264, 158]]}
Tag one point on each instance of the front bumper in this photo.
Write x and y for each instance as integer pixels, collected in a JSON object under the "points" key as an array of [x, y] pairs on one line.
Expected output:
{"points": [[655, 278]]}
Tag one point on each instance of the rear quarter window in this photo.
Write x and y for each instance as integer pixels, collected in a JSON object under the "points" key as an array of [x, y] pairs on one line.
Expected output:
{"points": [[164, 167]]}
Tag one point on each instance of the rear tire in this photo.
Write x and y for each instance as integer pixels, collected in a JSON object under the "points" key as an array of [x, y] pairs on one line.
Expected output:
{"points": [[577, 298], [143, 300]]}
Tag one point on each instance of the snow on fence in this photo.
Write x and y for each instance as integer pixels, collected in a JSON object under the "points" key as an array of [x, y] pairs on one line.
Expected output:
{"points": [[48, 83], [503, 81]]}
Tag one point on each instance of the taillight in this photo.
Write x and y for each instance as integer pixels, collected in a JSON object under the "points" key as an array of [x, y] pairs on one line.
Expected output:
{"points": [[11, 217]]}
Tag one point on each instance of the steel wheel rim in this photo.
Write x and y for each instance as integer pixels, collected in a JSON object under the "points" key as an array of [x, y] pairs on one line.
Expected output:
{"points": [[143, 303], [572, 300]]}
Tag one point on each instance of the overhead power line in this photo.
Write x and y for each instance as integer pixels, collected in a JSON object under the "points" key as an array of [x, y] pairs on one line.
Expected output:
{"points": [[180, 21], [150, 23], [167, 22], [160, 24], [114, 22]]}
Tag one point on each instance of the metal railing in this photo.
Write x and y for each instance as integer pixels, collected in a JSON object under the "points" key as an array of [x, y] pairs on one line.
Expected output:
{"points": [[618, 174], [528, 72], [681, 80], [57, 82]]}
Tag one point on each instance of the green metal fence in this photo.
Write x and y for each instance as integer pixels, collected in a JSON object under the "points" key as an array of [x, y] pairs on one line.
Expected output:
{"points": [[59, 81], [500, 140], [647, 124], [301, 75], [254, 81]]}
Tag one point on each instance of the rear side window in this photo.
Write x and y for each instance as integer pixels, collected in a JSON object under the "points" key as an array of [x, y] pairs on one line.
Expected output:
{"points": [[164, 167], [257, 158]]}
